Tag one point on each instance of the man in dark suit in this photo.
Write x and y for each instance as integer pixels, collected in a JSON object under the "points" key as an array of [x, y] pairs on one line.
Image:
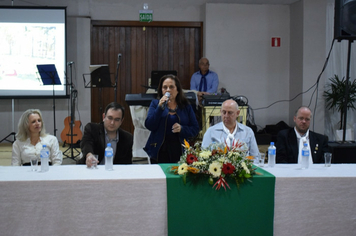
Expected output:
{"points": [[288, 140], [97, 136]]}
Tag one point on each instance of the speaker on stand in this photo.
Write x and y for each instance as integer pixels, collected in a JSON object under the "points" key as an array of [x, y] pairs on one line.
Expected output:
{"points": [[345, 20], [345, 29]]}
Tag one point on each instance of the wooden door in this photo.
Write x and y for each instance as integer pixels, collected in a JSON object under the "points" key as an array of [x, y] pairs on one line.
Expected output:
{"points": [[144, 47]]}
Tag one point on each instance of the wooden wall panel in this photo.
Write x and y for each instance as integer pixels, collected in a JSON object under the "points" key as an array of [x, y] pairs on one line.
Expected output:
{"points": [[144, 47]]}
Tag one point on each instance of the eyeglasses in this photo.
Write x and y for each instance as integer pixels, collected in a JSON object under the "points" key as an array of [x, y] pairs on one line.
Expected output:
{"points": [[112, 119]]}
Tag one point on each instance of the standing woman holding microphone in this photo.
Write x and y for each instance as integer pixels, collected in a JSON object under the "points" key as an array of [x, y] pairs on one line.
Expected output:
{"points": [[170, 119]]}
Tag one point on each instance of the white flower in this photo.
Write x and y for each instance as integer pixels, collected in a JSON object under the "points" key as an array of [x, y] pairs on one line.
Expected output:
{"points": [[205, 154], [198, 163], [215, 169], [222, 160], [182, 169], [243, 164]]}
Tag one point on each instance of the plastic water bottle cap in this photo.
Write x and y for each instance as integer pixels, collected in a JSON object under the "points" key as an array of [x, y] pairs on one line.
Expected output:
{"points": [[305, 144], [272, 143], [109, 144], [44, 145]]}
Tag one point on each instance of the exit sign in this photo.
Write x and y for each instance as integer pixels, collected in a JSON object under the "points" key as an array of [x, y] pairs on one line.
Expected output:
{"points": [[276, 42], [146, 15]]}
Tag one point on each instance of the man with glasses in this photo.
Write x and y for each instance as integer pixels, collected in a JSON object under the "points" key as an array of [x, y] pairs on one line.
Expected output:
{"points": [[97, 136], [230, 131], [290, 141]]}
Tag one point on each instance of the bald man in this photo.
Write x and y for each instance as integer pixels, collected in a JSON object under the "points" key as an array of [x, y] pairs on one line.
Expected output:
{"points": [[229, 130], [289, 140], [204, 81]]}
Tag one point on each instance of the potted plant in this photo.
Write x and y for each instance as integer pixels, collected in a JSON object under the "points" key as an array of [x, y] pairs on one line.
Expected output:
{"points": [[335, 96]]}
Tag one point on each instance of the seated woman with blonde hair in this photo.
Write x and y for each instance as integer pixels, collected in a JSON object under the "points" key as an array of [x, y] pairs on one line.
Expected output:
{"points": [[30, 137]]}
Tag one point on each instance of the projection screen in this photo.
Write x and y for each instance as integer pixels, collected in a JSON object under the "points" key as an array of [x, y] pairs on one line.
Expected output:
{"points": [[31, 36]]}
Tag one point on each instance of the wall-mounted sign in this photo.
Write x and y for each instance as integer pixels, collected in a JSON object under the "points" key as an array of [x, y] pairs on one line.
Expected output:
{"points": [[276, 42], [146, 15]]}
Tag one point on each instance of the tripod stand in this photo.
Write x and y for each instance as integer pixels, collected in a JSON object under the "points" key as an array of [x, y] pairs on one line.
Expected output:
{"points": [[77, 135], [13, 128]]}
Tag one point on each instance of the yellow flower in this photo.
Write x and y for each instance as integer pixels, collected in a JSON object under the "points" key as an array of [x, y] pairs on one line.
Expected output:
{"points": [[182, 169], [205, 154], [215, 169], [193, 170], [186, 144]]}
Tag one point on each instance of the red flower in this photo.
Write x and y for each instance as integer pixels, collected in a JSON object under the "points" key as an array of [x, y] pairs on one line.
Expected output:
{"points": [[228, 168], [221, 182], [191, 158]]}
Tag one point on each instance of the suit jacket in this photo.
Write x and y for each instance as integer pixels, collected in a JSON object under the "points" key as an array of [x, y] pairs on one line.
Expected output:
{"points": [[156, 122], [288, 147], [94, 141]]}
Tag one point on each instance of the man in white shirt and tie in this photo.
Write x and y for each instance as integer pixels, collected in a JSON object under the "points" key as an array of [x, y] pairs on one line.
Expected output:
{"points": [[229, 130], [290, 141]]}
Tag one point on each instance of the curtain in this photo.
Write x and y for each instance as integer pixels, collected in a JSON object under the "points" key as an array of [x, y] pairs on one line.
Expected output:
{"points": [[337, 66]]}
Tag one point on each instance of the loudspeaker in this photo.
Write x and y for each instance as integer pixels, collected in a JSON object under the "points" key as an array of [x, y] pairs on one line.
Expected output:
{"points": [[345, 20]]}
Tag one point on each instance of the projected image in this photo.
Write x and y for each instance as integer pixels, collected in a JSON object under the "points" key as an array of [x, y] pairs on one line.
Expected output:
{"points": [[23, 47], [25, 44]]}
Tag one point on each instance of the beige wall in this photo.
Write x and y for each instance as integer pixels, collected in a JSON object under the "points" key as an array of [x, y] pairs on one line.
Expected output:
{"points": [[239, 49]]}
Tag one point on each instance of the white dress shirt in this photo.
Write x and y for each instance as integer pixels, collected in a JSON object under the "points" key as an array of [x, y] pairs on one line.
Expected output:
{"points": [[243, 133], [22, 151], [301, 140]]}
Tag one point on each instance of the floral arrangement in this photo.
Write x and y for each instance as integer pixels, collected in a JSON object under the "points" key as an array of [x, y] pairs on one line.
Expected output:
{"points": [[218, 161]]}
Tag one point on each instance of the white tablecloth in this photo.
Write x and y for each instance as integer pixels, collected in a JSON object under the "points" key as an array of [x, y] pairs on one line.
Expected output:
{"points": [[132, 200], [317, 201], [74, 200]]}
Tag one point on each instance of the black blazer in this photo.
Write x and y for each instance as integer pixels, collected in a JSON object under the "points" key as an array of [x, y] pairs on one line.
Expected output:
{"points": [[287, 146], [94, 141]]}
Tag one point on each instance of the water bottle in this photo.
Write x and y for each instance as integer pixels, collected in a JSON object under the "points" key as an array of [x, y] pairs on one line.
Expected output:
{"points": [[271, 155], [109, 157], [305, 156], [44, 158]]}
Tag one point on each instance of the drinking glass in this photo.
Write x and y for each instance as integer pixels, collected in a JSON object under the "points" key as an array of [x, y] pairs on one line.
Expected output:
{"points": [[94, 164], [327, 157], [261, 160], [34, 162]]}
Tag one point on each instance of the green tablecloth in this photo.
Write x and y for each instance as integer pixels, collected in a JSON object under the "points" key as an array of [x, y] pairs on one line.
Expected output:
{"points": [[198, 209]]}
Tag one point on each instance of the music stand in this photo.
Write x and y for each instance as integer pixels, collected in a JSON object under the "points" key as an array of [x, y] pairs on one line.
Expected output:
{"points": [[49, 76], [100, 78]]}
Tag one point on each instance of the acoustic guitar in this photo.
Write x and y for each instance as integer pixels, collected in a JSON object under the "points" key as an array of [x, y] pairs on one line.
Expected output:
{"points": [[77, 133]]}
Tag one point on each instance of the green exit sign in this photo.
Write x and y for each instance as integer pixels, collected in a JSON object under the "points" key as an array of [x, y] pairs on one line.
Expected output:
{"points": [[146, 15]]}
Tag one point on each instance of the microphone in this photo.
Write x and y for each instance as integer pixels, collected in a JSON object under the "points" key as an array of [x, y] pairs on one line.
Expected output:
{"points": [[70, 63], [118, 58], [167, 94]]}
